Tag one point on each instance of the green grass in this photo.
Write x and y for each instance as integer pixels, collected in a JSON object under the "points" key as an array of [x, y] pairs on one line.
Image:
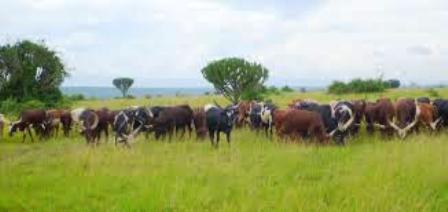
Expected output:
{"points": [[253, 174]]}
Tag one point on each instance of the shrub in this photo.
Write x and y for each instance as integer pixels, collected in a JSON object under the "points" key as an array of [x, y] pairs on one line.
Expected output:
{"points": [[357, 86], [287, 89], [433, 93]]}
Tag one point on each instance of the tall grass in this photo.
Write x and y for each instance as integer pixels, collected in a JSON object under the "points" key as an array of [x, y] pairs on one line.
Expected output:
{"points": [[252, 174]]}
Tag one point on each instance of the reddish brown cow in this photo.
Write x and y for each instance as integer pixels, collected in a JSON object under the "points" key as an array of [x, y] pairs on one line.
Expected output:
{"points": [[89, 121], [103, 123], [359, 108], [53, 121], [35, 118], [66, 121], [380, 114], [199, 122], [427, 116], [243, 113], [301, 123], [407, 114]]}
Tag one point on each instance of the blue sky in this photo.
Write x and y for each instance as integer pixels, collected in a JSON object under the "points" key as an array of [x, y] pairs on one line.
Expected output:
{"points": [[165, 43]]}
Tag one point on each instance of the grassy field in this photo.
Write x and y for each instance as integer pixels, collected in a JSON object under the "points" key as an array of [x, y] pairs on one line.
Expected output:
{"points": [[253, 174]]}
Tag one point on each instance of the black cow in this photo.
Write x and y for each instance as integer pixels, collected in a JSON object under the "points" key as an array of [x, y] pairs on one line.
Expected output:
{"points": [[219, 120], [441, 107], [255, 115]]}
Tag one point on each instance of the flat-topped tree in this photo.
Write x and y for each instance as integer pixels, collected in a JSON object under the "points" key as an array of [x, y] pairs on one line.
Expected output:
{"points": [[123, 84], [233, 77]]}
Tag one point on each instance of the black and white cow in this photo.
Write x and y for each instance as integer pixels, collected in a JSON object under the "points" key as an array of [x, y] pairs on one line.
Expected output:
{"points": [[337, 117], [219, 120], [123, 126], [267, 119]]}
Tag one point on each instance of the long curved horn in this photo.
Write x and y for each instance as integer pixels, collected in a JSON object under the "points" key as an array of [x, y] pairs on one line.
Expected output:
{"points": [[394, 126], [379, 126], [96, 120], [416, 119], [350, 121], [332, 133], [434, 124]]}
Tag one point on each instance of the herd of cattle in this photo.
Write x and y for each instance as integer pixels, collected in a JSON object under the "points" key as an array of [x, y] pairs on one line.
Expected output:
{"points": [[303, 119]]}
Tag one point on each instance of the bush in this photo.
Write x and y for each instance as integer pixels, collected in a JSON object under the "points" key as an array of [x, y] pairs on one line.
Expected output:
{"points": [[75, 97], [433, 93], [9, 106], [357, 86], [287, 89]]}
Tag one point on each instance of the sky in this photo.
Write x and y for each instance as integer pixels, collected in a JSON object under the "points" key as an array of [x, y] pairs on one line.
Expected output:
{"points": [[165, 43]]}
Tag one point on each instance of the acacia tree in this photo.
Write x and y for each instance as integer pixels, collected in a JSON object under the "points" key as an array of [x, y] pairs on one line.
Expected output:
{"points": [[29, 71], [233, 77], [123, 84]]}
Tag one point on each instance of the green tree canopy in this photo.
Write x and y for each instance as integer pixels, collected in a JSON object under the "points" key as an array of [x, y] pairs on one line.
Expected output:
{"points": [[29, 71], [235, 77], [123, 84]]}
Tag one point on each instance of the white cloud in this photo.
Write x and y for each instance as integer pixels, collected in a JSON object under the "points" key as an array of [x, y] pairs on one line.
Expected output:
{"points": [[156, 40]]}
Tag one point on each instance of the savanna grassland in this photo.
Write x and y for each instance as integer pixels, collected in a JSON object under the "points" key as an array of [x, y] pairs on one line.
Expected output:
{"points": [[253, 174]]}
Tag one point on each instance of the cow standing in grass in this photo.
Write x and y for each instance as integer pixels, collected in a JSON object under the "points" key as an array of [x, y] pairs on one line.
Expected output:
{"points": [[219, 120], [296, 124]]}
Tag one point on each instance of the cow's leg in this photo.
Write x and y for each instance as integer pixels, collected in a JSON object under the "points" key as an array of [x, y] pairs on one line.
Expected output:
{"points": [[29, 132], [211, 133], [218, 133], [228, 137], [106, 131]]}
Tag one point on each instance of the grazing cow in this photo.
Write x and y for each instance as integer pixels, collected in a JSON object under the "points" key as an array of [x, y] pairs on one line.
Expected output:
{"points": [[359, 108], [29, 118], [380, 115], [53, 122], [219, 120], [89, 121], [76, 113], [441, 108], [103, 123], [66, 121], [337, 118], [407, 113], [168, 119], [199, 123], [300, 124], [427, 116], [425, 100], [123, 124]]}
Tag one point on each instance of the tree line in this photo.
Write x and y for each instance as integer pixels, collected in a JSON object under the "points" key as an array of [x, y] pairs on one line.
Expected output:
{"points": [[31, 74]]}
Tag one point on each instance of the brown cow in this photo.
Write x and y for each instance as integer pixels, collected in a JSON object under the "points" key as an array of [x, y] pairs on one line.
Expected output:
{"points": [[380, 114], [428, 115], [30, 118], [407, 115], [67, 122], [199, 122], [53, 122], [359, 108], [103, 123], [301, 123], [88, 122], [243, 113]]}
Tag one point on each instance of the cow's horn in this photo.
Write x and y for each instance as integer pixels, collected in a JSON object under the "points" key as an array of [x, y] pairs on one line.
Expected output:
{"points": [[416, 119], [434, 124], [350, 121], [95, 121]]}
